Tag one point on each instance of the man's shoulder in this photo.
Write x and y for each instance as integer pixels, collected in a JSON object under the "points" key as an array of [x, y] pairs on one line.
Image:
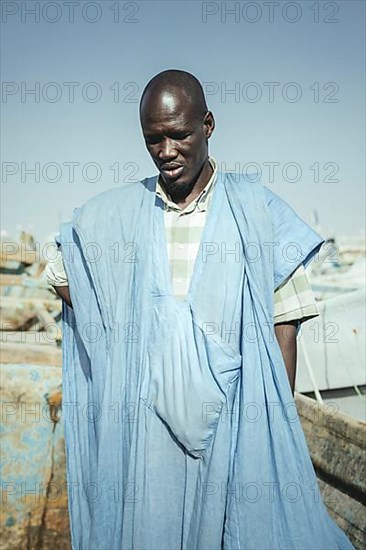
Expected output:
{"points": [[116, 199], [117, 196], [102, 211], [248, 185], [252, 195]]}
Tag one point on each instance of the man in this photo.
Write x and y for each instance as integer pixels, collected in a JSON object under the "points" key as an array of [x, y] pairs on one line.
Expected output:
{"points": [[170, 338]]}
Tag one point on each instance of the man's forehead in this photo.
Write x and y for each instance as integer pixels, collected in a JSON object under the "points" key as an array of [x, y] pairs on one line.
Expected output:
{"points": [[169, 118], [159, 122]]}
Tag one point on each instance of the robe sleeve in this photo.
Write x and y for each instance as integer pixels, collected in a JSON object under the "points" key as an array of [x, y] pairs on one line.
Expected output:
{"points": [[294, 241]]}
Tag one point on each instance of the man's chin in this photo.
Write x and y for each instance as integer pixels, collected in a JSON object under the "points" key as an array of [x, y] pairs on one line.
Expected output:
{"points": [[178, 189]]}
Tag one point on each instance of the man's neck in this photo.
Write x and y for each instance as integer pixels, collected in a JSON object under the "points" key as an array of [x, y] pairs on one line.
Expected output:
{"points": [[201, 183]]}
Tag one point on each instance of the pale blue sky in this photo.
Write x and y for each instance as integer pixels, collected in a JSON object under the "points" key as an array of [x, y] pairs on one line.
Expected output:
{"points": [[315, 131]]}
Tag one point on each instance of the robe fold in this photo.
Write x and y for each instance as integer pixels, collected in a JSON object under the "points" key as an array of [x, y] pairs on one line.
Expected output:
{"points": [[180, 426]]}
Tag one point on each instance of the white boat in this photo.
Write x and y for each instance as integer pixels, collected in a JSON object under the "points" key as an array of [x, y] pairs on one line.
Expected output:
{"points": [[331, 347]]}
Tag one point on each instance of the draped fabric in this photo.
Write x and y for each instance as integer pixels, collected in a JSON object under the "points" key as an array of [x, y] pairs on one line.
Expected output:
{"points": [[180, 426]]}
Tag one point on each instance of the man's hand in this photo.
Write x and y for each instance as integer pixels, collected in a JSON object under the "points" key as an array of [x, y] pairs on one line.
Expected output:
{"points": [[286, 338], [64, 293]]}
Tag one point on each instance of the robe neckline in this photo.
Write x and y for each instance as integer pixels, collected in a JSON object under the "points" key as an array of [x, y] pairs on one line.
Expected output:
{"points": [[163, 283]]}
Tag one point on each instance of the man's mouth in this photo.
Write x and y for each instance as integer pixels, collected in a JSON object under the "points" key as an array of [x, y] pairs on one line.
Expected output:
{"points": [[172, 171]]}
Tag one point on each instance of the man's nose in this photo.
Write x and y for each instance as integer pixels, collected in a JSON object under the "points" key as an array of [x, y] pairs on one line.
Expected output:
{"points": [[167, 150]]}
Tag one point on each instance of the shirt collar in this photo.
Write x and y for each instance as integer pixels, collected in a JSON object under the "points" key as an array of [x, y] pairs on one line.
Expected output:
{"points": [[201, 202]]}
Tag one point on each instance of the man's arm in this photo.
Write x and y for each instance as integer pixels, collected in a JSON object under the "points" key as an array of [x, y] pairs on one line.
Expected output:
{"points": [[294, 303], [286, 338], [64, 293], [55, 275]]}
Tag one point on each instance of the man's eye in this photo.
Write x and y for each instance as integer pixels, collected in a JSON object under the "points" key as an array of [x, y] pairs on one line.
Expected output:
{"points": [[152, 140], [180, 136]]}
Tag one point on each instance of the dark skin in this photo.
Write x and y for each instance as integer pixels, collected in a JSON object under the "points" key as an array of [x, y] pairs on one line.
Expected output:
{"points": [[176, 136], [286, 338], [64, 293]]}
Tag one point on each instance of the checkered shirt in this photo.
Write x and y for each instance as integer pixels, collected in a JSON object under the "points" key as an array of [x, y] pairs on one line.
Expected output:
{"points": [[293, 300]]}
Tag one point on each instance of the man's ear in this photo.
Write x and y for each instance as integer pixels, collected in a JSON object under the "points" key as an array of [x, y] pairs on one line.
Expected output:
{"points": [[209, 124]]}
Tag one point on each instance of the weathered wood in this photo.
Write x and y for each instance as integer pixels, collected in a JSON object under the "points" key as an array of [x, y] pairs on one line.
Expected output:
{"points": [[11, 280], [33, 457], [337, 443], [46, 318], [36, 354], [347, 512], [337, 446], [27, 251], [14, 302], [16, 319], [27, 257], [34, 336], [22, 280]]}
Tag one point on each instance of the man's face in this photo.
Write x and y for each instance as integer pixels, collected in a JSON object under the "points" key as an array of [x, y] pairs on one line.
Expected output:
{"points": [[176, 140]]}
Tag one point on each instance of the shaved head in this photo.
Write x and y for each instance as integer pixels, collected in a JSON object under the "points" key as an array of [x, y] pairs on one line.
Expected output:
{"points": [[176, 126], [168, 83]]}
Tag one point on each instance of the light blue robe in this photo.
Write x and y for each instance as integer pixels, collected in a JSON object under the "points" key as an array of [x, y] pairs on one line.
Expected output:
{"points": [[180, 425]]}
